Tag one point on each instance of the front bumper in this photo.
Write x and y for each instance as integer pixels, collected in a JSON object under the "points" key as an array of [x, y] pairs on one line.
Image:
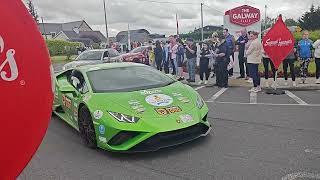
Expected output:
{"points": [[172, 138]]}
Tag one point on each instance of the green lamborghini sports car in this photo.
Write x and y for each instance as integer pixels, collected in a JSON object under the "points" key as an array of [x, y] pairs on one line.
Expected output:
{"points": [[129, 107]]}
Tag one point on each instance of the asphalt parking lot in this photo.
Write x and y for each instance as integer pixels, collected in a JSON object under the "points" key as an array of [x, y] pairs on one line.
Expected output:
{"points": [[256, 136]]}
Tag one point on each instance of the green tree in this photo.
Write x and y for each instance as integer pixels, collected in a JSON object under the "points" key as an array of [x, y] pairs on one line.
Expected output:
{"points": [[291, 22], [33, 11], [310, 19]]}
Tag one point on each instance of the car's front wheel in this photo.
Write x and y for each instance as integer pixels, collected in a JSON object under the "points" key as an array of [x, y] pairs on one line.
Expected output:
{"points": [[86, 128]]}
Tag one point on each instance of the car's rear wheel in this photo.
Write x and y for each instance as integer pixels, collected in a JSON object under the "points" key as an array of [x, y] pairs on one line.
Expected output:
{"points": [[86, 128]]}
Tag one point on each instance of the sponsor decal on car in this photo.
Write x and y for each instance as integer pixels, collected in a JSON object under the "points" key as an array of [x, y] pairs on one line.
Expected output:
{"points": [[134, 102], [149, 92], [87, 98], [168, 110], [176, 94], [102, 129], [66, 102], [184, 118], [97, 114], [159, 100], [102, 139]]}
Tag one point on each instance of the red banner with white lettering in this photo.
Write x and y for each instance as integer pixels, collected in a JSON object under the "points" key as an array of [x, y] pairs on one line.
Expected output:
{"points": [[278, 42], [26, 90]]}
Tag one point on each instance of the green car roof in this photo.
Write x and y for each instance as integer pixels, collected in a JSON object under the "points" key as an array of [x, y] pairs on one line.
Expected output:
{"points": [[88, 68]]}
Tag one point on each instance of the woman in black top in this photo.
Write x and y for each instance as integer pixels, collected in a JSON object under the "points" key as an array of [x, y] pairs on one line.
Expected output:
{"points": [[222, 58], [205, 55], [158, 53]]}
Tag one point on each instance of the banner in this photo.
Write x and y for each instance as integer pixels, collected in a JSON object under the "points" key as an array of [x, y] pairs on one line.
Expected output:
{"points": [[26, 90], [278, 42]]}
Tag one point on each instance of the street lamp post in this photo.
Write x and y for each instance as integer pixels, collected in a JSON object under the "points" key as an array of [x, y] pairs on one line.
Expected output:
{"points": [[201, 21], [105, 21]]}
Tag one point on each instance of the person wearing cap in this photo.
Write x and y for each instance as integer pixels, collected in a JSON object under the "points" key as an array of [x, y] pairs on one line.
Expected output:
{"points": [[191, 54], [254, 56]]}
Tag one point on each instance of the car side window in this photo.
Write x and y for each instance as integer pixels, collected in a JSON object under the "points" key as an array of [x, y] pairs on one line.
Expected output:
{"points": [[78, 82], [105, 54]]}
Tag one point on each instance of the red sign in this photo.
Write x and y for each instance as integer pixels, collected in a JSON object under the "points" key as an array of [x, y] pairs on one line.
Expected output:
{"points": [[278, 42], [244, 15], [26, 90]]}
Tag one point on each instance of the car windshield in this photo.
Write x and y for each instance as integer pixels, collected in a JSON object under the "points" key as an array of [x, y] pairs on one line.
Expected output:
{"points": [[139, 49], [90, 56], [126, 79]]}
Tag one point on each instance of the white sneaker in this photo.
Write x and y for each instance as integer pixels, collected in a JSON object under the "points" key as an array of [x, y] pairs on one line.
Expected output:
{"points": [[318, 81], [294, 84], [286, 83], [252, 89], [257, 89], [205, 82], [250, 80], [200, 82]]}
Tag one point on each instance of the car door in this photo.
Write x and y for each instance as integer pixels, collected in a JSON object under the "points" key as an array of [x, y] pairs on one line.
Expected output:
{"points": [[71, 101]]}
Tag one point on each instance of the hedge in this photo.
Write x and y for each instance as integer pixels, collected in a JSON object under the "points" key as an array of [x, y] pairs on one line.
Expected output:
{"points": [[314, 35], [59, 47]]}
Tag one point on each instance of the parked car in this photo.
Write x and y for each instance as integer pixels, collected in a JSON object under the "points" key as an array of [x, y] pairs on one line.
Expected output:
{"points": [[137, 55], [129, 107], [97, 56]]}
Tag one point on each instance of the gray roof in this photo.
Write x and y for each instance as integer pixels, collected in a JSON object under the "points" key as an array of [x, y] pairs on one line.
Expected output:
{"points": [[140, 35], [57, 27], [50, 27]]}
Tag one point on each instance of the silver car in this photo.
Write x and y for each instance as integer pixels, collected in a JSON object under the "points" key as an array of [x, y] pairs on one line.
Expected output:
{"points": [[97, 56]]}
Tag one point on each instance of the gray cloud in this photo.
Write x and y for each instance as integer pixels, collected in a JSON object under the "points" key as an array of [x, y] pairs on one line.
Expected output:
{"points": [[156, 17]]}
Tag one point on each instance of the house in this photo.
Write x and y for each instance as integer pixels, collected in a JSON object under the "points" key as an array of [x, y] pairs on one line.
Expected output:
{"points": [[85, 37], [77, 31], [50, 30], [139, 35]]}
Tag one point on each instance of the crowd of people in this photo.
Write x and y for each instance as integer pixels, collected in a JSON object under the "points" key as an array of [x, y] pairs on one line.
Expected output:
{"points": [[216, 56]]}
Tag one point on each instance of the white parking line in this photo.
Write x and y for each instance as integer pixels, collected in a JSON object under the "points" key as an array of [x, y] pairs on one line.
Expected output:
{"points": [[296, 98], [267, 104], [215, 96], [253, 98], [200, 87], [300, 175]]}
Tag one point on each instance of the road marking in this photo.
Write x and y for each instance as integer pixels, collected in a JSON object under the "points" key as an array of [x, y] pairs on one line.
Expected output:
{"points": [[253, 98], [215, 96], [299, 175], [267, 104], [296, 98], [200, 87]]}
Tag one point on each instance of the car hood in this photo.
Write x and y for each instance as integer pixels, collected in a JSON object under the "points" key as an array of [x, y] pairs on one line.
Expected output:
{"points": [[80, 63], [147, 103]]}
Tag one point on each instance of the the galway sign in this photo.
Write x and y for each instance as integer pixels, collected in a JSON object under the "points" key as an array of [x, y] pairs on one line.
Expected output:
{"points": [[244, 15]]}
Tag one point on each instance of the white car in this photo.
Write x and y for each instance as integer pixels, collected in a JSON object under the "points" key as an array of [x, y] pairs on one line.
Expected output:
{"points": [[97, 56]]}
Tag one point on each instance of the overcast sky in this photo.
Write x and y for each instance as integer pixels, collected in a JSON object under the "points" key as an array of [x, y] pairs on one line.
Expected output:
{"points": [[158, 17]]}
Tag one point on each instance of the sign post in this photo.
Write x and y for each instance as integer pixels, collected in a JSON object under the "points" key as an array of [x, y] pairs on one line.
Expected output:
{"points": [[278, 43]]}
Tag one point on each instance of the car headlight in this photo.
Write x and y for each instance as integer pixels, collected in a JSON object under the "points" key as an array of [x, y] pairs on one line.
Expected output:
{"points": [[200, 102], [124, 118]]}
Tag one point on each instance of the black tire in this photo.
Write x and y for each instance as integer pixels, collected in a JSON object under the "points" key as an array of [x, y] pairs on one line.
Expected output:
{"points": [[86, 128]]}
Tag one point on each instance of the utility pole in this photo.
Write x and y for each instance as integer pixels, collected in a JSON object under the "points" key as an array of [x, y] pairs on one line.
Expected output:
{"points": [[265, 17], [177, 24], [44, 29], [105, 21], [129, 38], [201, 21]]}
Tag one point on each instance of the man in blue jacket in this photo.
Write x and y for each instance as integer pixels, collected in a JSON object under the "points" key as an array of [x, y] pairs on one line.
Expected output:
{"points": [[230, 45], [241, 43], [305, 54]]}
